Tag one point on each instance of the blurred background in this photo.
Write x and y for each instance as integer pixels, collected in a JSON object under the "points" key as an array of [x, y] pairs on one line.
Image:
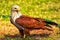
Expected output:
{"points": [[47, 9]]}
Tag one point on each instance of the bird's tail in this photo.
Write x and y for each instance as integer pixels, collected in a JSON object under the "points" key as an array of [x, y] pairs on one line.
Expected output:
{"points": [[52, 23], [58, 25]]}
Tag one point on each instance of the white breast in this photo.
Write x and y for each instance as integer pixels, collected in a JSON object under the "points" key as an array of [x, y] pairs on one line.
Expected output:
{"points": [[15, 15]]}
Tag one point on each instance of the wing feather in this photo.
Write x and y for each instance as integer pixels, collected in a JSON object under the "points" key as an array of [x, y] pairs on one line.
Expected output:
{"points": [[29, 22]]}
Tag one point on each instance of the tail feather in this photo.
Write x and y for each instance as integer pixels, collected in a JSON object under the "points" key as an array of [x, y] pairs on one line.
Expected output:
{"points": [[58, 25], [52, 23]]}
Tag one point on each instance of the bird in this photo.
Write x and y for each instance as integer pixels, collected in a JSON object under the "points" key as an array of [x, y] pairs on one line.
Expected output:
{"points": [[25, 23]]}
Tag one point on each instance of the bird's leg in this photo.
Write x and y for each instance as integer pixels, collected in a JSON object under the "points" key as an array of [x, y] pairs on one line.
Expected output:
{"points": [[21, 33], [26, 32]]}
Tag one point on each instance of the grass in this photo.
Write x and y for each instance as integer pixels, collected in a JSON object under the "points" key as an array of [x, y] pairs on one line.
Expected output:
{"points": [[47, 9]]}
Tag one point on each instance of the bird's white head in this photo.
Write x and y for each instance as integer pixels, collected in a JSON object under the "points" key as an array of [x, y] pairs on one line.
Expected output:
{"points": [[15, 8], [15, 12]]}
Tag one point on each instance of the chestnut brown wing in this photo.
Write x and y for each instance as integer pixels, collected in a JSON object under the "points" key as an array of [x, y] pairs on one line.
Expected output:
{"points": [[27, 22]]}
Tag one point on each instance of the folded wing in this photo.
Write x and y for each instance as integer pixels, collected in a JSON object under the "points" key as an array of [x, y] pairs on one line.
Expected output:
{"points": [[29, 22]]}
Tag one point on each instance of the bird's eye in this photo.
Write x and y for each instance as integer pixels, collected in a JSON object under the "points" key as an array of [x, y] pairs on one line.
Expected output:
{"points": [[15, 8]]}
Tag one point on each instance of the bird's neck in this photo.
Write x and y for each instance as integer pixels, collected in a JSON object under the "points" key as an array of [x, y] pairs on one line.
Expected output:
{"points": [[15, 15]]}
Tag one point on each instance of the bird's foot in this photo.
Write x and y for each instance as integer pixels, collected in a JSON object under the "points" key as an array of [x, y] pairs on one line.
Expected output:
{"points": [[24, 36]]}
